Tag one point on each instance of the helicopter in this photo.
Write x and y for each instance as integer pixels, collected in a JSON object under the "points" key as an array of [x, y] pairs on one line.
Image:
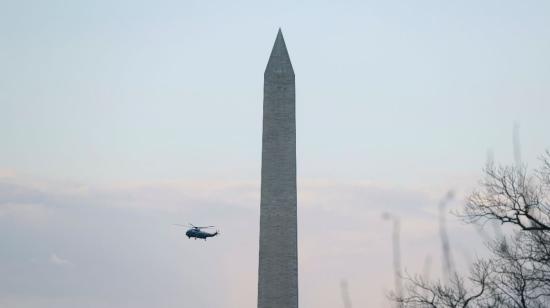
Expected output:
{"points": [[196, 232]]}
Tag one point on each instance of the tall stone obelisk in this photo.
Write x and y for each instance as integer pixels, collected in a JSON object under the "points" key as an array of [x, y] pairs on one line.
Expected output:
{"points": [[278, 264]]}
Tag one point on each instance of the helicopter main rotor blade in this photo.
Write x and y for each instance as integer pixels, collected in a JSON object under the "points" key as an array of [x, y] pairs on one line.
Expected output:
{"points": [[195, 227]]}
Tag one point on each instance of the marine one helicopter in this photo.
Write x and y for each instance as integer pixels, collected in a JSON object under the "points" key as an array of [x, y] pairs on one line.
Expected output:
{"points": [[197, 232]]}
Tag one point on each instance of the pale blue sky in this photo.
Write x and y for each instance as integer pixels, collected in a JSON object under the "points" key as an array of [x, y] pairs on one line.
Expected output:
{"points": [[117, 114], [104, 90]]}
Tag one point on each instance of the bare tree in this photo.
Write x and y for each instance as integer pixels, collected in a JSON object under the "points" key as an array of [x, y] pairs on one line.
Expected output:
{"points": [[517, 272]]}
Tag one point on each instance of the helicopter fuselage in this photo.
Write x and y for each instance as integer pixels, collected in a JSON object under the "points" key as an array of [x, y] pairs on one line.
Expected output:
{"points": [[199, 234]]}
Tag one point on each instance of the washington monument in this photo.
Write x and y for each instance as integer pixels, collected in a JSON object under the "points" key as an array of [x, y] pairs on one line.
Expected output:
{"points": [[278, 264]]}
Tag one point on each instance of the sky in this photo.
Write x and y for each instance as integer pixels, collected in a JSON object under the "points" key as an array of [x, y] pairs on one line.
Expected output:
{"points": [[121, 118]]}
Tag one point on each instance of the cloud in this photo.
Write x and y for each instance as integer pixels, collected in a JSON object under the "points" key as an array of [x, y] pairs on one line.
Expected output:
{"points": [[58, 261], [169, 195], [32, 213], [123, 233], [7, 173]]}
